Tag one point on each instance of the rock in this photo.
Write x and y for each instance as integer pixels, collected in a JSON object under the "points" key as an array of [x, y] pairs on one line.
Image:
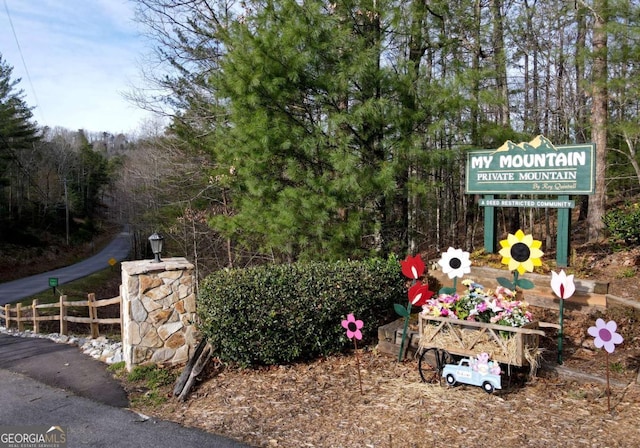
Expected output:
{"points": [[100, 348]]}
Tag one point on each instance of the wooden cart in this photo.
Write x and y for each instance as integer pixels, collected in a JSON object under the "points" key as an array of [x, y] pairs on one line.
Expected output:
{"points": [[441, 337]]}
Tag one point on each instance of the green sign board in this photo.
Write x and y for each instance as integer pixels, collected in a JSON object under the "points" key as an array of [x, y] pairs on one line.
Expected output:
{"points": [[536, 167], [53, 282]]}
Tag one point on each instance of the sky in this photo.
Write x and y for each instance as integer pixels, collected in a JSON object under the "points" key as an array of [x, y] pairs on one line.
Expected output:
{"points": [[81, 57]]}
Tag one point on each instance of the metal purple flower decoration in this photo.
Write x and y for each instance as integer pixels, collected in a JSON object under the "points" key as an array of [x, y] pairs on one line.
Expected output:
{"points": [[605, 336]]}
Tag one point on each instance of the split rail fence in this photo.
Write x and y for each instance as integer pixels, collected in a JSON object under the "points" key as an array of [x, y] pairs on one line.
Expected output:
{"points": [[22, 315]]}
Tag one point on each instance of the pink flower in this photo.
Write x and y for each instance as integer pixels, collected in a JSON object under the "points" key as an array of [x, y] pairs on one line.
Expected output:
{"points": [[353, 327], [605, 335], [412, 267]]}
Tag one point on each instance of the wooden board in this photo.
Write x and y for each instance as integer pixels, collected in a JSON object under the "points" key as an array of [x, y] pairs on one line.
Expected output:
{"points": [[589, 294]]}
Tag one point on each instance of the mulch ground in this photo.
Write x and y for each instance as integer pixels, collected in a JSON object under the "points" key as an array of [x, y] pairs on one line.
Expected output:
{"points": [[319, 404]]}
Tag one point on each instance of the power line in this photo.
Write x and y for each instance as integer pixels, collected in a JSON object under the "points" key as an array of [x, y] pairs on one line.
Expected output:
{"points": [[24, 64]]}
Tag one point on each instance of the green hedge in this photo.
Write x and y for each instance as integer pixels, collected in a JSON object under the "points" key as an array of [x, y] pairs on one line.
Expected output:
{"points": [[279, 314]]}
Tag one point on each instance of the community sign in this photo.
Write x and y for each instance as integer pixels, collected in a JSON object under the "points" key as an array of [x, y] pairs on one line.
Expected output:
{"points": [[536, 167]]}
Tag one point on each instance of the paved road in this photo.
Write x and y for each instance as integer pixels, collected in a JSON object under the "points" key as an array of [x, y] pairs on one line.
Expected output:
{"points": [[16, 290], [92, 424], [49, 384]]}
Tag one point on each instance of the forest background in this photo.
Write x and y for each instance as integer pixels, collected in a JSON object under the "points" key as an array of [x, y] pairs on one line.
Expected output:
{"points": [[303, 130]]}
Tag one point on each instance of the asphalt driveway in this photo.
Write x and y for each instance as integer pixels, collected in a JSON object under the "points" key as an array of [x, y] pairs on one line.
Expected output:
{"points": [[16, 290]]}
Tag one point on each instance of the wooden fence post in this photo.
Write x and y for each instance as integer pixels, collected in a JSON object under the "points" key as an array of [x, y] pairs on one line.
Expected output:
{"points": [[7, 313], [93, 315], [19, 317], [34, 312], [63, 316]]}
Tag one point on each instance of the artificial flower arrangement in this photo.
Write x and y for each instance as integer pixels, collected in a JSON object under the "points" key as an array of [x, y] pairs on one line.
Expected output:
{"points": [[501, 306]]}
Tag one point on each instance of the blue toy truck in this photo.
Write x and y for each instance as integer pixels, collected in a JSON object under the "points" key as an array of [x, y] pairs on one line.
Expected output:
{"points": [[474, 371]]}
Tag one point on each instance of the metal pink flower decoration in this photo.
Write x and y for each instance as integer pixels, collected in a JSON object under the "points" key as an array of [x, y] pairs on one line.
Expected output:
{"points": [[353, 327]]}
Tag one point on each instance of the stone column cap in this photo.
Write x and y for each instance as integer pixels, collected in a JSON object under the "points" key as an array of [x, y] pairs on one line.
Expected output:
{"points": [[138, 267]]}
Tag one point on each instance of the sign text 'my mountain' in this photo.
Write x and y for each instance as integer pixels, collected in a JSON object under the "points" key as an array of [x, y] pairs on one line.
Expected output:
{"points": [[536, 167]]}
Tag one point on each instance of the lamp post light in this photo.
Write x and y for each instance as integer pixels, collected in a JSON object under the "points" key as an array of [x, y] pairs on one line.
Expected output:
{"points": [[156, 246]]}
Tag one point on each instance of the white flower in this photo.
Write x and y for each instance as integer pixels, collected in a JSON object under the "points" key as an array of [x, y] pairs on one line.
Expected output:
{"points": [[562, 284], [493, 306], [455, 263]]}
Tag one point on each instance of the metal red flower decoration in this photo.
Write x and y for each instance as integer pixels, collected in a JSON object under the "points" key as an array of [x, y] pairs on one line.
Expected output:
{"points": [[412, 267], [419, 294]]}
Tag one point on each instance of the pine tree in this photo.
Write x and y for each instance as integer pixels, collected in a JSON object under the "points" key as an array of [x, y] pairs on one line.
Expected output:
{"points": [[16, 129], [17, 132], [305, 134]]}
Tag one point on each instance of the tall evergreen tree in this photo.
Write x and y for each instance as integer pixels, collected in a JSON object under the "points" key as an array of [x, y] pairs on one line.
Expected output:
{"points": [[306, 129], [17, 132]]}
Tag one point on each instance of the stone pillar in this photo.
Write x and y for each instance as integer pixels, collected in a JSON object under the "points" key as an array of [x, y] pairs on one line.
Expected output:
{"points": [[158, 312]]}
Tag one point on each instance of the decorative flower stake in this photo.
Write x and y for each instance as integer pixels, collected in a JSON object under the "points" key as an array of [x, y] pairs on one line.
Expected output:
{"points": [[605, 336], [564, 287], [413, 268], [455, 263], [521, 253], [353, 327]]}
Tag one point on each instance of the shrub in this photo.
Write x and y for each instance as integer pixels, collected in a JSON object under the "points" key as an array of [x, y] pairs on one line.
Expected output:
{"points": [[279, 314], [624, 224]]}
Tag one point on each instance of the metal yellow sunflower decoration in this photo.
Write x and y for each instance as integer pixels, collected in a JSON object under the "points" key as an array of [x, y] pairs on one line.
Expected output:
{"points": [[522, 254]]}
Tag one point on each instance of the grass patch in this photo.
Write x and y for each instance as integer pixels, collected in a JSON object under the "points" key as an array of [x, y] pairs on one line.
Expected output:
{"points": [[117, 368], [627, 273], [577, 394], [151, 383], [617, 367], [149, 399], [152, 376]]}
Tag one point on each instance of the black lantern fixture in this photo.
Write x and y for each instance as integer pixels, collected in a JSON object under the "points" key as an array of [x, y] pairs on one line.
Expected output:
{"points": [[156, 246]]}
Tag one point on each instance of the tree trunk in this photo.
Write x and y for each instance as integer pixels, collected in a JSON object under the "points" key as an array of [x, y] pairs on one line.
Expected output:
{"points": [[581, 96], [599, 121], [500, 63]]}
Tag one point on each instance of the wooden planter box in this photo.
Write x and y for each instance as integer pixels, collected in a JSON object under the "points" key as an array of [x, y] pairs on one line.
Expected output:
{"points": [[516, 346], [390, 336]]}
